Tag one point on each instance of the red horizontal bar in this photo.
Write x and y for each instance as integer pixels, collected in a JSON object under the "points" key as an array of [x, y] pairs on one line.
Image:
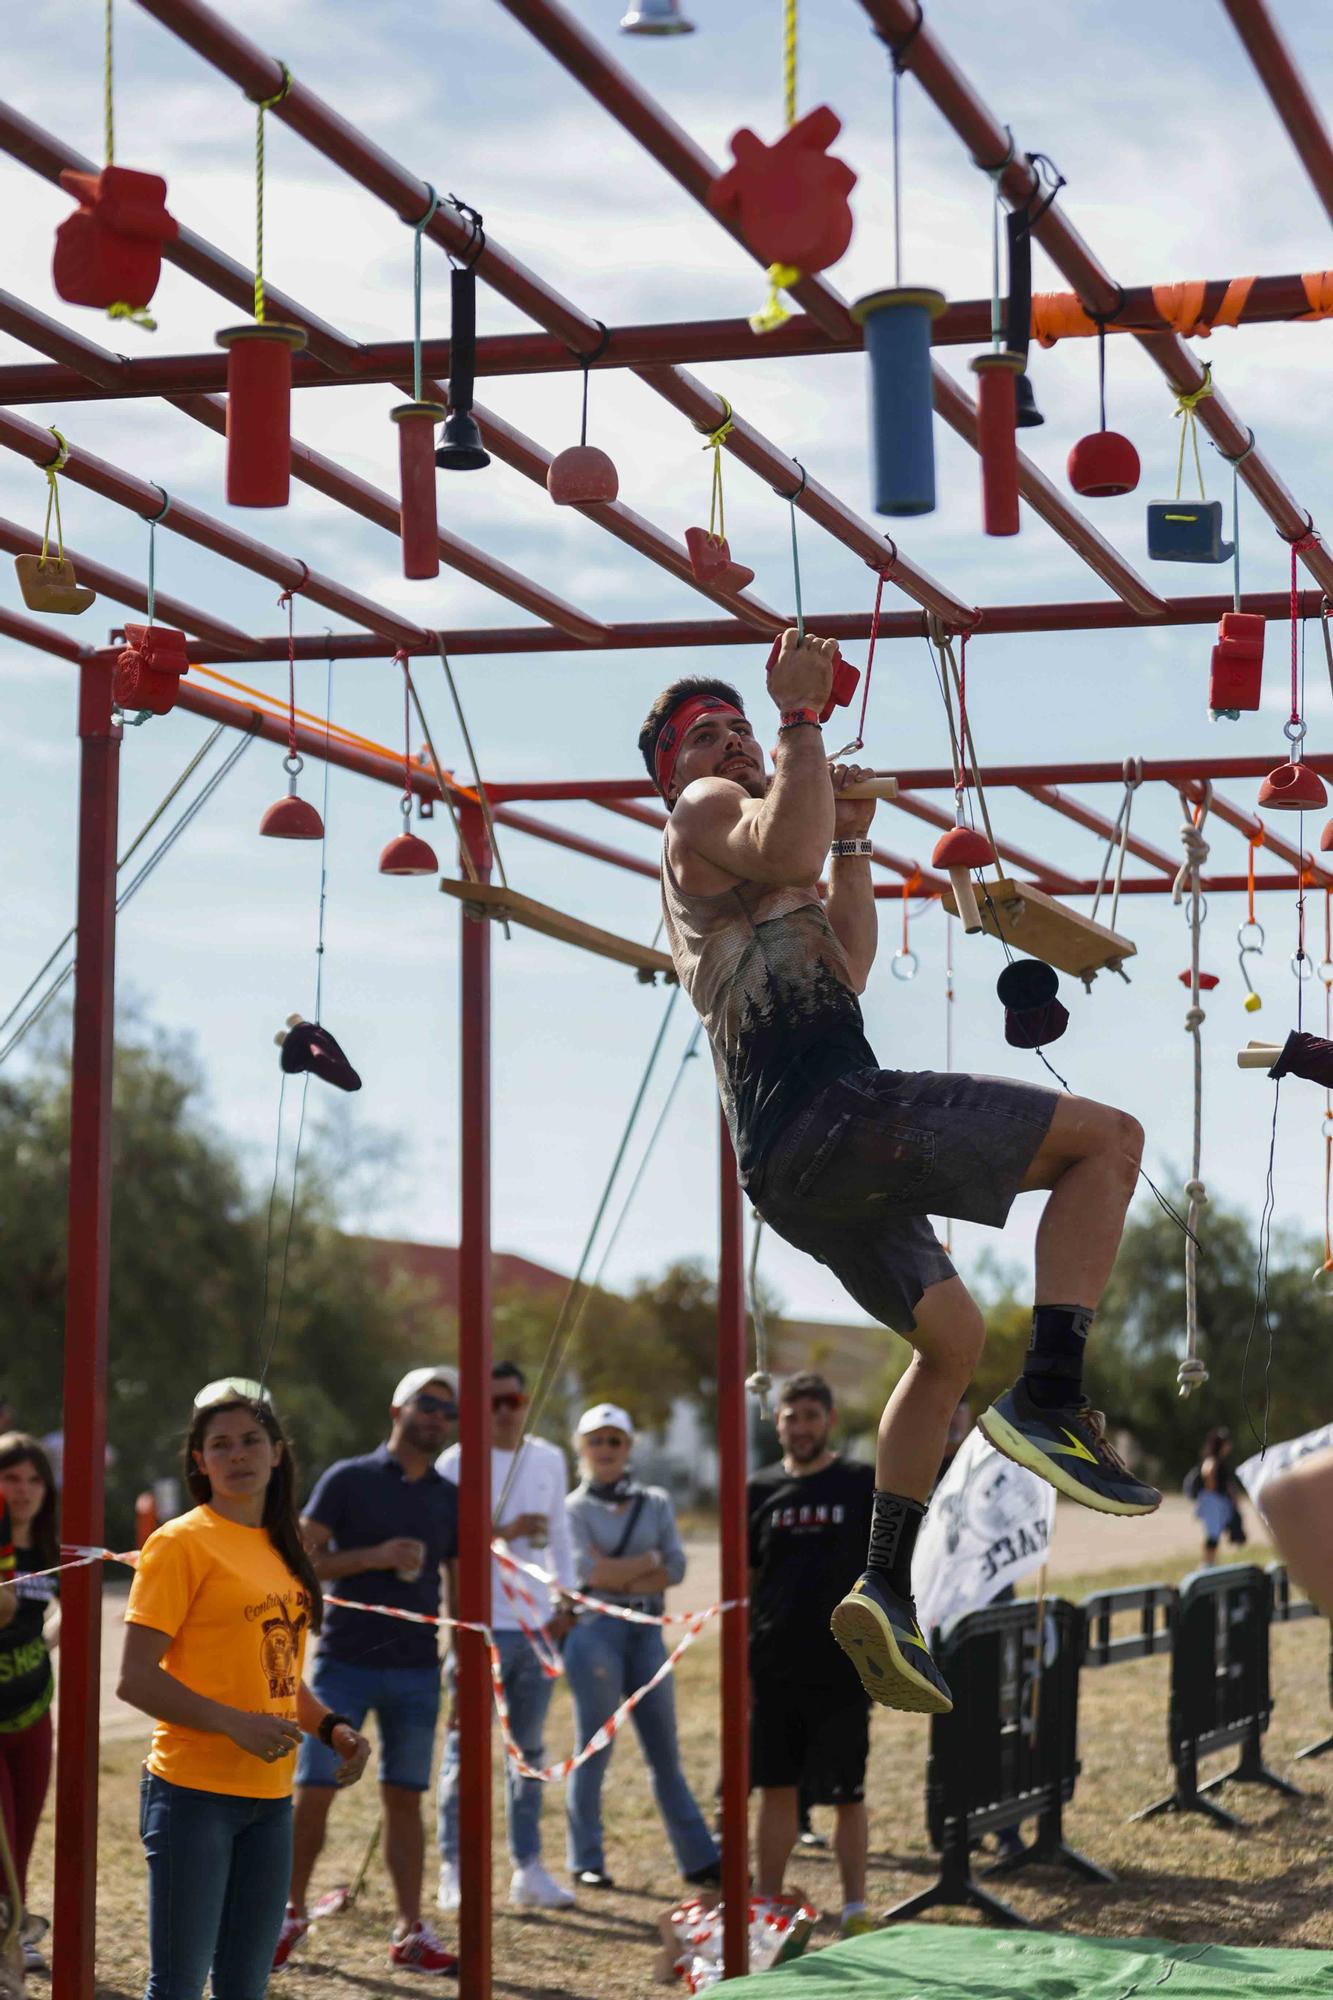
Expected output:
{"points": [[225, 641], [1292, 97], [686, 343]]}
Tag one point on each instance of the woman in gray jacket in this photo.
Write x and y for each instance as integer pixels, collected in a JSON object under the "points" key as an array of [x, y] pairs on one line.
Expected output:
{"points": [[627, 1551]]}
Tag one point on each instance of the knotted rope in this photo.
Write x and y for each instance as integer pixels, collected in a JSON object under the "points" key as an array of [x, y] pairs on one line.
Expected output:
{"points": [[1192, 1372]]}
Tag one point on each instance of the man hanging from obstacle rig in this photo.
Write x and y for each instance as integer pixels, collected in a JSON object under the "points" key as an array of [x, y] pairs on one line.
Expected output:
{"points": [[846, 1160]]}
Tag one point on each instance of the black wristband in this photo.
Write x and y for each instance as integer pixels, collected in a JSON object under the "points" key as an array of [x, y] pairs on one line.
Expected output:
{"points": [[329, 1723]]}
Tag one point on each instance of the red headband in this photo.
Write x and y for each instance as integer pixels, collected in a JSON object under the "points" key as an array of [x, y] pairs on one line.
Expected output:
{"points": [[673, 734]]}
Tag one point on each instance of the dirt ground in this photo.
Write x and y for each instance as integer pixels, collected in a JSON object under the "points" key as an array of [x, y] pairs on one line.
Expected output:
{"points": [[1178, 1878]]}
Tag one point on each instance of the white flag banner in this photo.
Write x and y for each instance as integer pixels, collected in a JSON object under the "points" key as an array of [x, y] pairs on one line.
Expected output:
{"points": [[990, 1524], [1265, 1465]]}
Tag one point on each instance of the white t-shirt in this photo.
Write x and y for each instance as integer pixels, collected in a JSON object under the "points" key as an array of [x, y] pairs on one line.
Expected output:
{"points": [[539, 1487]]}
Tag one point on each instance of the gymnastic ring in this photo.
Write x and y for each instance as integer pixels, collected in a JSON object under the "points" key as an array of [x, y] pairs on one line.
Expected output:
{"points": [[1326, 971], [1294, 731], [293, 765], [1326, 1126], [1297, 962], [1252, 925], [1322, 1280], [904, 965]]}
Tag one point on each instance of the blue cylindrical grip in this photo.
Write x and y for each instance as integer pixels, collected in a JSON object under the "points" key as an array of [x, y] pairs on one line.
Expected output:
{"points": [[897, 337]]}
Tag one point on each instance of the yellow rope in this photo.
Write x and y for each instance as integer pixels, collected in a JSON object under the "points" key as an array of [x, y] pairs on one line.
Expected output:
{"points": [[265, 104], [1186, 404], [773, 314], [110, 104], [717, 523], [53, 501]]}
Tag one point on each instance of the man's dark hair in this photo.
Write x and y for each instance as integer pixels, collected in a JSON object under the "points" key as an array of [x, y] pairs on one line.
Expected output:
{"points": [[806, 1385], [509, 1371], [670, 698]]}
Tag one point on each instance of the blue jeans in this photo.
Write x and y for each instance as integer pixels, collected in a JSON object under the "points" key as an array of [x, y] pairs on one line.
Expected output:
{"points": [[218, 1871], [605, 1660], [406, 1702], [528, 1694]]}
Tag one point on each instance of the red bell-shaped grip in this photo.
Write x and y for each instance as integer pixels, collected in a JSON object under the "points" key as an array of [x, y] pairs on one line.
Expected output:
{"points": [[259, 411], [710, 562], [109, 252], [997, 414], [1236, 674], [846, 679], [789, 200], [148, 672], [418, 523]]}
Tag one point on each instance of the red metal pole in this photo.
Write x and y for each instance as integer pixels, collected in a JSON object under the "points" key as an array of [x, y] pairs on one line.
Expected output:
{"points": [[1292, 97], [474, 1486], [731, 1446], [86, 1296]]}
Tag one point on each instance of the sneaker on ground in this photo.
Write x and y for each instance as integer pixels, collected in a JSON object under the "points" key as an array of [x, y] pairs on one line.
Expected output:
{"points": [[1068, 1448], [859, 1924], [532, 1888], [877, 1629], [293, 1930], [809, 1838], [447, 1896], [592, 1878], [421, 1951]]}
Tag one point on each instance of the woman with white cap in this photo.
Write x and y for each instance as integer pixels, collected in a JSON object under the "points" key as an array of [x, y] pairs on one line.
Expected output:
{"points": [[627, 1553]]}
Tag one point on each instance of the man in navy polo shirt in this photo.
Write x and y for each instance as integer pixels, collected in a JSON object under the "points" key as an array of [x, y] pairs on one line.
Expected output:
{"points": [[379, 1530]]}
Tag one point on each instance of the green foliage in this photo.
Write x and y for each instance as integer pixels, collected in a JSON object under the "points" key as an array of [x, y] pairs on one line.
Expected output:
{"points": [[187, 1275]]}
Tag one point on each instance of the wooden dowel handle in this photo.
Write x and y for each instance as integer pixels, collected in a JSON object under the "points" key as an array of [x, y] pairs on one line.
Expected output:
{"points": [[961, 882], [880, 786], [1257, 1058]]}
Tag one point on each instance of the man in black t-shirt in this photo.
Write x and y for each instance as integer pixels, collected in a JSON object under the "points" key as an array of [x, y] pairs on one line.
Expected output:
{"points": [[810, 1717]]}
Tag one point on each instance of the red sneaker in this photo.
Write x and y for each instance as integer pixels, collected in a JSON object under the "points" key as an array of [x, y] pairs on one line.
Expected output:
{"points": [[293, 1930], [421, 1951]]}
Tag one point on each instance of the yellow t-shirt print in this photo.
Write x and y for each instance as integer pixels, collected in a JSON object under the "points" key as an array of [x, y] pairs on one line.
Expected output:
{"points": [[237, 1620]]}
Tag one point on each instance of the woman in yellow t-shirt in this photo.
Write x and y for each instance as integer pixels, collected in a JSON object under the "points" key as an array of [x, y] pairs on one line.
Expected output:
{"points": [[221, 1604]]}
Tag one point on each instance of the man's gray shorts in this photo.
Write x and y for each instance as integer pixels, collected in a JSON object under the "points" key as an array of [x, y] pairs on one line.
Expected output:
{"points": [[855, 1175]]}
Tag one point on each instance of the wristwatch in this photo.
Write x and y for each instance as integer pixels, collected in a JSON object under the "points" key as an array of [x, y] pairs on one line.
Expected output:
{"points": [[792, 718], [329, 1723], [847, 849]]}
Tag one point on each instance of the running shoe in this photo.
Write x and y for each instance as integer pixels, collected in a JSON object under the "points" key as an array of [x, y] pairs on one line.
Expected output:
{"points": [[448, 1896], [877, 1629], [293, 1930], [532, 1888], [859, 1924], [421, 1951], [1068, 1448]]}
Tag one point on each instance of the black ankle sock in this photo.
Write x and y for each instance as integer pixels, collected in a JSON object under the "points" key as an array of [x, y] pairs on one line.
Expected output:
{"points": [[893, 1532], [1053, 1366]]}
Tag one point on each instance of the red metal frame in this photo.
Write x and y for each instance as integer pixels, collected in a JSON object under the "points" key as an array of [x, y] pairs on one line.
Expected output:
{"points": [[78, 369], [87, 1294]]}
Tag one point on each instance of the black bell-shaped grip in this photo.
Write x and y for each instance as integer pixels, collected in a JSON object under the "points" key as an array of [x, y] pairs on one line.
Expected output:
{"points": [[308, 1046], [1032, 1014]]}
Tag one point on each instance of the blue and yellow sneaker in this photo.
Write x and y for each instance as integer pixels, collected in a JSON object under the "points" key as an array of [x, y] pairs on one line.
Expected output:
{"points": [[1068, 1448], [877, 1629]]}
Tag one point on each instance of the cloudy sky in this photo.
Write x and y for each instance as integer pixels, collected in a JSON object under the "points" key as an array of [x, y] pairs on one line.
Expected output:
{"points": [[1177, 168]]}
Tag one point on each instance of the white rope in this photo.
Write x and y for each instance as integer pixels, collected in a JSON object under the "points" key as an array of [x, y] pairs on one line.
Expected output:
{"points": [[761, 1382], [1192, 1372], [1118, 843]]}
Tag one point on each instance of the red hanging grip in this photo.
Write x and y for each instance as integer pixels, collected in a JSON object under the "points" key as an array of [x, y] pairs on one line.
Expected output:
{"points": [[846, 679], [710, 561], [148, 672], [1237, 670], [418, 523], [789, 200], [109, 252], [997, 414], [259, 411]]}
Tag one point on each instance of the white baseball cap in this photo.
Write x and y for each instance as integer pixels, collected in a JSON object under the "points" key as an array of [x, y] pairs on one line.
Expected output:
{"points": [[604, 1417], [415, 1381]]}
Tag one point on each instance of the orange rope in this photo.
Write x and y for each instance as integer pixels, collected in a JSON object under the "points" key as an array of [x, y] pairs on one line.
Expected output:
{"points": [[910, 887], [1256, 842]]}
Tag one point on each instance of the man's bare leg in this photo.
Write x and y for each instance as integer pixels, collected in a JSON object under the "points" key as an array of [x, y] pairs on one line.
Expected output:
{"points": [[851, 1844], [949, 1337], [775, 1836], [1089, 1160]]}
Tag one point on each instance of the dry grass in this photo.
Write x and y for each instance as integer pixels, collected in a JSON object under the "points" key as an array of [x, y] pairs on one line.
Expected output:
{"points": [[1179, 1878]]}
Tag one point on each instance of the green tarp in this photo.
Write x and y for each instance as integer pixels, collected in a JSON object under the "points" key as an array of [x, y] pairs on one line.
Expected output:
{"points": [[965, 1962]]}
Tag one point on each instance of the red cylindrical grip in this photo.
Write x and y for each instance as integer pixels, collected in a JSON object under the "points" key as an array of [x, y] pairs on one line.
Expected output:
{"points": [[417, 522], [996, 440], [259, 412]]}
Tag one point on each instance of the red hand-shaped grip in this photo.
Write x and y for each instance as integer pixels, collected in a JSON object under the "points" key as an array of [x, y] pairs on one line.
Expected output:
{"points": [[846, 679]]}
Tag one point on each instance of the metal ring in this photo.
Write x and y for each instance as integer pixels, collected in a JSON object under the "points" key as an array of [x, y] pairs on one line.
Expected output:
{"points": [[153, 519], [293, 765], [1301, 966], [405, 805], [904, 965], [794, 497], [1326, 1125], [1294, 731], [1203, 913], [1251, 925]]}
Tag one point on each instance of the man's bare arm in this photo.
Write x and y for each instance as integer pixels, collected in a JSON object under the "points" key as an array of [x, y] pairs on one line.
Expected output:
{"points": [[781, 838], [850, 906]]}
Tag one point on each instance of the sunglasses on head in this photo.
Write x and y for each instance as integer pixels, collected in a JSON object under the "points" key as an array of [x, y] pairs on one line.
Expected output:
{"points": [[508, 1399], [435, 1406]]}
